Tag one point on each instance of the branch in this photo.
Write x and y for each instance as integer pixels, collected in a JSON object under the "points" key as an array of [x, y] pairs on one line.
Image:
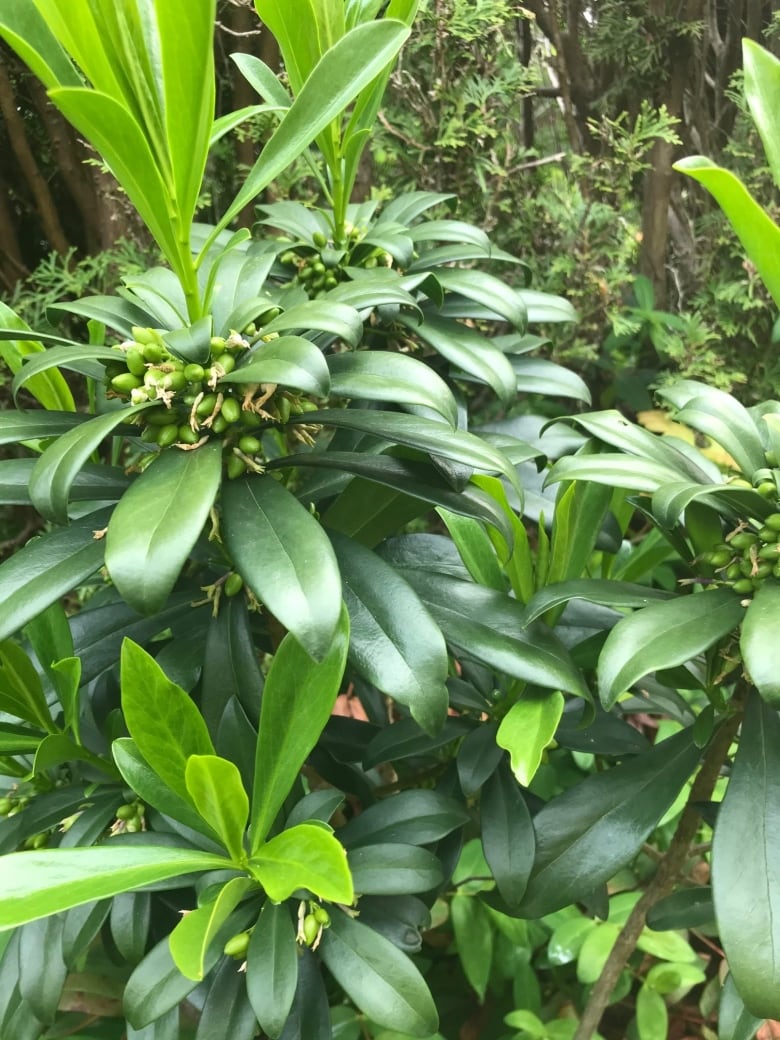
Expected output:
{"points": [[662, 884]]}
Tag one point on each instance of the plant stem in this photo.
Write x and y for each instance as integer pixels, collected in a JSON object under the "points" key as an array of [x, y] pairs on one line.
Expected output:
{"points": [[662, 884]]}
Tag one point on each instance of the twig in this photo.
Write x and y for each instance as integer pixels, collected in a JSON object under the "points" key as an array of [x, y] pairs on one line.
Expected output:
{"points": [[236, 32], [540, 162], [663, 882]]}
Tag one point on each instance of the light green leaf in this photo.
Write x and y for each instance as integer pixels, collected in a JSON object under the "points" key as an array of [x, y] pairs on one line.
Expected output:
{"points": [[50, 390], [756, 230], [21, 692], [157, 522], [162, 719], [664, 635], [193, 935], [476, 550], [349, 66], [652, 1017], [474, 939], [298, 699], [305, 856], [36, 884], [762, 93], [325, 315], [526, 730], [215, 787]]}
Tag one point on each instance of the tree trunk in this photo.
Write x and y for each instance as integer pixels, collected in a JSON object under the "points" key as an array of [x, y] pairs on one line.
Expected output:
{"points": [[44, 203], [12, 265]]}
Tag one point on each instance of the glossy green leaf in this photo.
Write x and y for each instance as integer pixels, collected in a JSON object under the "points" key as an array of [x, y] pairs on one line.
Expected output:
{"points": [[284, 556], [734, 1020], [585, 835], [414, 479], [193, 935], [686, 908], [289, 361], [415, 432], [746, 862], [216, 790], [411, 817], [42, 969], [304, 856], [226, 1011], [92, 484], [25, 29], [298, 699], [347, 67], [476, 550], [406, 739], [386, 869], [762, 91], [340, 319], [664, 635], [721, 417], [756, 230], [474, 938], [760, 634], [141, 778], [20, 425], [376, 375], [49, 390], [614, 470], [19, 740], [21, 692], [526, 730], [489, 627], [492, 293], [394, 641], [57, 467], [162, 719], [73, 356], [153, 529], [606, 593], [652, 1017], [45, 570], [36, 884], [508, 839], [381, 980], [230, 665], [467, 350], [130, 916], [272, 968]]}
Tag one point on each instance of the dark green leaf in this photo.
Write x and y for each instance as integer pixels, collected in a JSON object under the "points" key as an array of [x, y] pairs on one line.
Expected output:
{"points": [[341, 320], [410, 818], [73, 356], [42, 969], [45, 570], [478, 757], [129, 921], [309, 1018], [226, 1011], [272, 968], [289, 361], [284, 556], [585, 835], [380, 979], [18, 426], [394, 642], [405, 739], [760, 632], [230, 666], [375, 375], [687, 908], [92, 483], [153, 529], [508, 837], [296, 688], [746, 862], [21, 692], [56, 469], [605, 592], [390, 869], [664, 635]]}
